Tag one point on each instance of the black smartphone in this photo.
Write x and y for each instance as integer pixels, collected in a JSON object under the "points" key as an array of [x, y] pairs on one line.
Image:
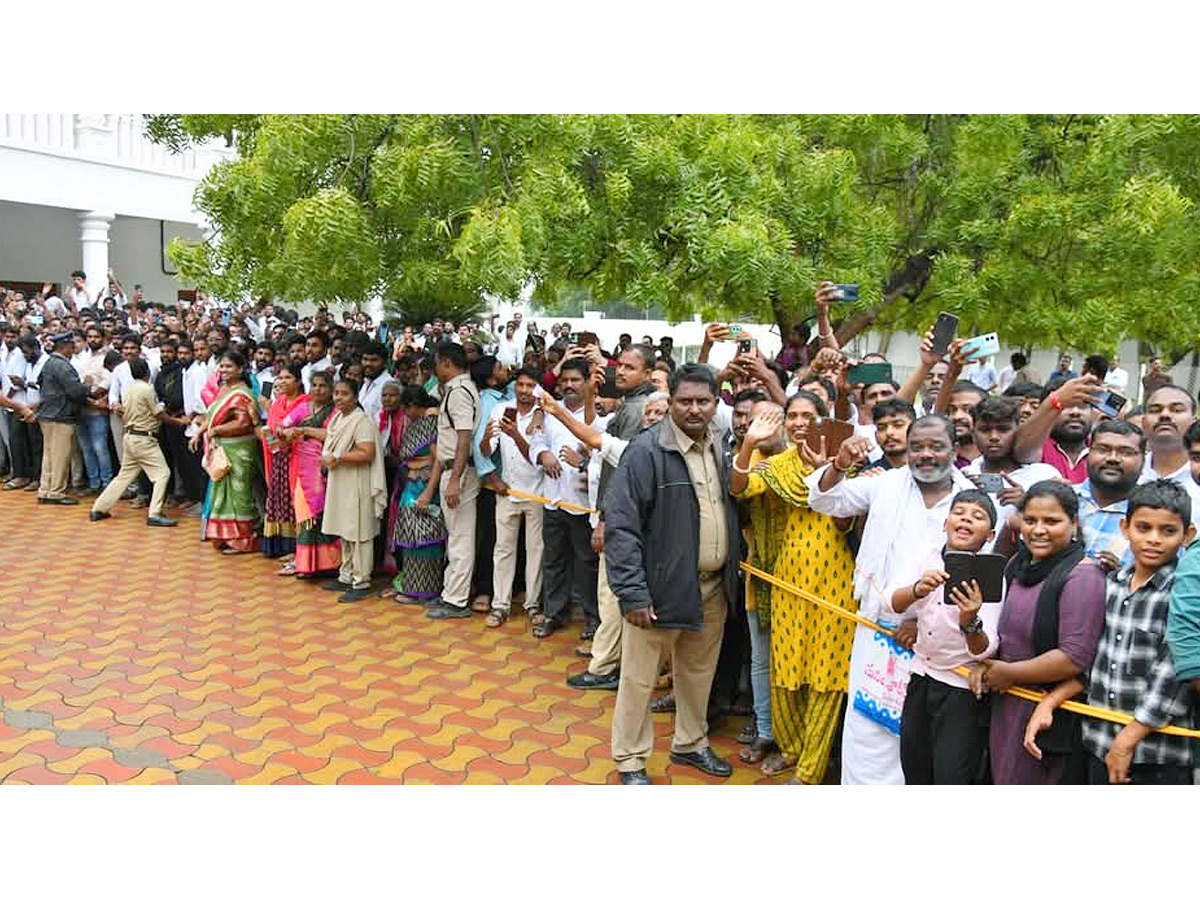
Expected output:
{"points": [[510, 413], [747, 345], [870, 373], [573, 338], [847, 293], [943, 332], [985, 568], [1109, 403]]}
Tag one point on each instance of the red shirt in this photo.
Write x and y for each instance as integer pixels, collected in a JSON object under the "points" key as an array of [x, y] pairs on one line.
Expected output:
{"points": [[1053, 454]]}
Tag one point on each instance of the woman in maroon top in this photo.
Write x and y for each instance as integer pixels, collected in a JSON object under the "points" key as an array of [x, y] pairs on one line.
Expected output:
{"points": [[1041, 644]]}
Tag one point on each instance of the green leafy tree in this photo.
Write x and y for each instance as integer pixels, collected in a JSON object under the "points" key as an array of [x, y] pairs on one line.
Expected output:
{"points": [[1054, 230]]}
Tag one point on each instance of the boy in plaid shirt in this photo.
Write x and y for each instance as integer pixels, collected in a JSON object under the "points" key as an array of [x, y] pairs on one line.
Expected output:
{"points": [[1133, 672]]}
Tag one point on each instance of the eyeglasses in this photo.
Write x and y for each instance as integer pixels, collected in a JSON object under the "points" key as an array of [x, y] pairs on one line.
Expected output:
{"points": [[1122, 452]]}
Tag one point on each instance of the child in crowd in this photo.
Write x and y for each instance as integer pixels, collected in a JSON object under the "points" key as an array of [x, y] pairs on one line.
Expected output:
{"points": [[1133, 670], [943, 725]]}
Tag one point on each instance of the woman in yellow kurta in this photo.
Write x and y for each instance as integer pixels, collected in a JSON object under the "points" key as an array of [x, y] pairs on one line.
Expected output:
{"points": [[810, 648]]}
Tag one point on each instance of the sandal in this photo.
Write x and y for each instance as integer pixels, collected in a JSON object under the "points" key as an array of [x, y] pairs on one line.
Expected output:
{"points": [[664, 704], [749, 734], [536, 618], [481, 604], [288, 569], [388, 593], [795, 779], [777, 764], [758, 749], [545, 628], [496, 618]]}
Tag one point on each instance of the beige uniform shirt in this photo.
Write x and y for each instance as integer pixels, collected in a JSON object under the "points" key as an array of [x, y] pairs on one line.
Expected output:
{"points": [[140, 407], [701, 460], [459, 412]]}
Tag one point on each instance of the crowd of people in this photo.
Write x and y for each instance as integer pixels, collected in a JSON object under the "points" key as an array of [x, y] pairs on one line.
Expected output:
{"points": [[537, 472]]}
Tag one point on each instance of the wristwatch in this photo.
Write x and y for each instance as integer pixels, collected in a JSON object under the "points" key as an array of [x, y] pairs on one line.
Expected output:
{"points": [[975, 626]]}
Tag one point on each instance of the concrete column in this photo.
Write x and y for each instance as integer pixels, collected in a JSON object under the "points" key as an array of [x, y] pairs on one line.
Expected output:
{"points": [[93, 236]]}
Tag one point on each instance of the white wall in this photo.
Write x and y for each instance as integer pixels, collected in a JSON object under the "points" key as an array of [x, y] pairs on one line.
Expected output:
{"points": [[41, 243]]}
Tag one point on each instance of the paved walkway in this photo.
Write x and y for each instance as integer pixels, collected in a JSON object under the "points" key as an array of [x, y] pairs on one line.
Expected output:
{"points": [[138, 655]]}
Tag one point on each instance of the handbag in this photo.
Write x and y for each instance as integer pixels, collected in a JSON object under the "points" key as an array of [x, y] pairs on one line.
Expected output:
{"points": [[216, 462]]}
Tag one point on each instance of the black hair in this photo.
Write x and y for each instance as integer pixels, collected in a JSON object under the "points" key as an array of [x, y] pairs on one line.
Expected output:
{"points": [[963, 386], [139, 368], [415, 395], [695, 373], [29, 340], [814, 399], [295, 370], [752, 395], [980, 499], [325, 375], [131, 337], [828, 385], [292, 340], [1018, 361], [353, 385], [1120, 426], [78, 273], [1059, 491], [649, 358], [893, 406], [996, 409], [577, 364], [321, 336], [1161, 494], [238, 360], [453, 354], [481, 370], [528, 372], [112, 359], [1096, 365], [1025, 389]]}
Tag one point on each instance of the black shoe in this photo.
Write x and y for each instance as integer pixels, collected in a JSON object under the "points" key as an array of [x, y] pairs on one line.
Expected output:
{"points": [[161, 522], [354, 595], [589, 681], [97, 516], [587, 634], [638, 777], [335, 585], [59, 501], [547, 628], [704, 760], [444, 610]]}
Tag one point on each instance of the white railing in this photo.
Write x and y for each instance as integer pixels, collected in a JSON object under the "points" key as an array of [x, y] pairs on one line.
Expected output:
{"points": [[106, 137]]}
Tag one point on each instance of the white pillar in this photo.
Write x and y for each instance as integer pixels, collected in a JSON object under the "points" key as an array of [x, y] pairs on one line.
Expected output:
{"points": [[93, 236]]}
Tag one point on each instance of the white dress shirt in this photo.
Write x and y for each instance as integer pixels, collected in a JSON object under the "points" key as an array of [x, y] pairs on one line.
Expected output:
{"points": [[319, 366], [194, 378], [517, 471], [370, 395], [1182, 477], [572, 485], [122, 378]]}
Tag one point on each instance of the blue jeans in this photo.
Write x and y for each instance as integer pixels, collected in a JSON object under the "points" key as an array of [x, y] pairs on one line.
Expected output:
{"points": [[760, 675], [93, 442]]}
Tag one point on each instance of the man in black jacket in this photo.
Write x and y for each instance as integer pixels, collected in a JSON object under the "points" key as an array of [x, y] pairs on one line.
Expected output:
{"points": [[63, 396], [671, 542]]}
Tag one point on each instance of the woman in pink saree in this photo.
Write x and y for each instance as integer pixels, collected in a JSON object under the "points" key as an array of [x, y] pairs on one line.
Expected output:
{"points": [[304, 428]]}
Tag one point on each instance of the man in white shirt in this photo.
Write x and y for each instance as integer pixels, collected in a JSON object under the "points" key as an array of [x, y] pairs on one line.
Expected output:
{"points": [[570, 564], [508, 430], [508, 351], [982, 374], [79, 297], [1117, 379], [92, 429], [375, 376], [23, 368], [1008, 375], [316, 350], [122, 378], [906, 513], [1170, 411], [8, 345]]}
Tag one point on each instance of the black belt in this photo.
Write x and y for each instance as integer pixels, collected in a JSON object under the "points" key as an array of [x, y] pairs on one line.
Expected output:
{"points": [[139, 433]]}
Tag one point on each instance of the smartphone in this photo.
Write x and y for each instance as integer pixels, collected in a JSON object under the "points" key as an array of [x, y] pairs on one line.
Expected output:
{"points": [[985, 568], [36, 320], [847, 293], [735, 331], [573, 338], [989, 482], [747, 345], [834, 432], [226, 316], [1109, 403], [870, 373], [510, 413], [943, 332], [981, 347]]}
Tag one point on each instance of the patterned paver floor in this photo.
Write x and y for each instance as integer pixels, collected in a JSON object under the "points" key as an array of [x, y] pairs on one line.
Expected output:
{"points": [[140, 655]]}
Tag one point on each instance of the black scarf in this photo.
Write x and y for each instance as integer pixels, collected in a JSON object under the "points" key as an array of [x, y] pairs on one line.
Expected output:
{"points": [[1027, 571]]}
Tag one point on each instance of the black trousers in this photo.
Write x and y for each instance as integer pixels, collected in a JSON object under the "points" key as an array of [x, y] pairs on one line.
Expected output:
{"points": [[569, 566], [25, 446], [485, 543], [1140, 774], [942, 733], [733, 663], [193, 481]]}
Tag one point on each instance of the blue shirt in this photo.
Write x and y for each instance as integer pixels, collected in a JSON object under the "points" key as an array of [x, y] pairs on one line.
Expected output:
{"points": [[489, 399], [1102, 525]]}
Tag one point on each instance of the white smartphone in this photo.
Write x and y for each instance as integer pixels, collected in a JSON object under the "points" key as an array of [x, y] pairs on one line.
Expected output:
{"points": [[981, 347]]}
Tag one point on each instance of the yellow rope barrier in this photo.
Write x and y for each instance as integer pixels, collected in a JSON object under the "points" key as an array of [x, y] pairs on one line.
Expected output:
{"points": [[545, 501], [1029, 694]]}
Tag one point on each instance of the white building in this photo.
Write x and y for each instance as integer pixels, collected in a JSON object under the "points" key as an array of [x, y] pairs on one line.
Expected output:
{"points": [[91, 192]]}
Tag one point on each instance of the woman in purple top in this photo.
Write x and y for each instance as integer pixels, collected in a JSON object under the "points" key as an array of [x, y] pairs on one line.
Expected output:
{"points": [[1040, 641]]}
